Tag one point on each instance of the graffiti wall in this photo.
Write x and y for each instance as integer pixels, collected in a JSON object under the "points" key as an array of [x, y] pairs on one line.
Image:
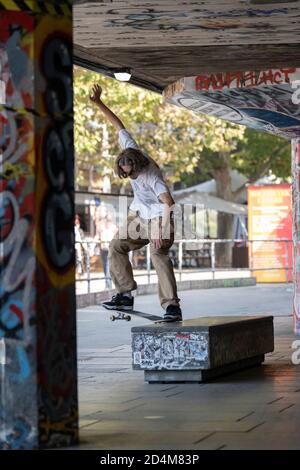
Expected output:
{"points": [[263, 100], [296, 231], [171, 351], [230, 22], [37, 310]]}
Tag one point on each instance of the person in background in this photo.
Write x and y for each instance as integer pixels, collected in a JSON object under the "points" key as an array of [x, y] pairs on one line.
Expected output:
{"points": [[79, 250], [105, 232]]}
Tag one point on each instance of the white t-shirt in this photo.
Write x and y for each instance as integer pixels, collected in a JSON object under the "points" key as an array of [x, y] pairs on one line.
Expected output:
{"points": [[147, 186]]}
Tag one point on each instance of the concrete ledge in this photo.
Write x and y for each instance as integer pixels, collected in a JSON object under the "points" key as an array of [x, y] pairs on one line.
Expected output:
{"points": [[95, 298], [216, 345]]}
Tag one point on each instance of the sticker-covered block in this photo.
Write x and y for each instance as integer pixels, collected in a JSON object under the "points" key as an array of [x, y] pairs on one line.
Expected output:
{"points": [[201, 344]]}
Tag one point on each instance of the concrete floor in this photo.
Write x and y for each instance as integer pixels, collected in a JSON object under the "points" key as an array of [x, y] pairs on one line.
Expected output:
{"points": [[255, 409]]}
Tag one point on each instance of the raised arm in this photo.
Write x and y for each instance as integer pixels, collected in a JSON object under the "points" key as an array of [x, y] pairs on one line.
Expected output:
{"points": [[95, 97]]}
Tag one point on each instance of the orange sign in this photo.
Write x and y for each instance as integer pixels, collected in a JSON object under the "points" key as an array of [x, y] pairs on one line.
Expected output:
{"points": [[270, 218]]}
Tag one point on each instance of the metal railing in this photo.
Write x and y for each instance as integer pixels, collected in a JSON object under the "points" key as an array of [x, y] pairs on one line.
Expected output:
{"points": [[178, 257]]}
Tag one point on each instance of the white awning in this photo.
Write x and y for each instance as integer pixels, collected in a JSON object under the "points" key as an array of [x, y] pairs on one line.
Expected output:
{"points": [[209, 187], [206, 201]]}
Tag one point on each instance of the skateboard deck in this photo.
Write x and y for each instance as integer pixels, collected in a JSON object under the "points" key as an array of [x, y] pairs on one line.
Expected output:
{"points": [[126, 315]]}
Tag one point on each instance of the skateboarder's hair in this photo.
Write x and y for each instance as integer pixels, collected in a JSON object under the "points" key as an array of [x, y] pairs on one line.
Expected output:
{"points": [[133, 157]]}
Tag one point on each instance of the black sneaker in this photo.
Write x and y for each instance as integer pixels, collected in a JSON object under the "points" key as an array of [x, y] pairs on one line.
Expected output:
{"points": [[119, 302], [173, 313]]}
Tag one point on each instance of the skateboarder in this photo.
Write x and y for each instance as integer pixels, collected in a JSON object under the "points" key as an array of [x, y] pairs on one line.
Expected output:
{"points": [[149, 217]]}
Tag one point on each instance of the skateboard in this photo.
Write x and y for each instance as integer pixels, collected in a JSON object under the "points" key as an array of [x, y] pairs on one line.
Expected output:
{"points": [[126, 315]]}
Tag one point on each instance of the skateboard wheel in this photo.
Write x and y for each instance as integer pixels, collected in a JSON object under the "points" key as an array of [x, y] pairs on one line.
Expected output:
{"points": [[112, 318], [127, 317]]}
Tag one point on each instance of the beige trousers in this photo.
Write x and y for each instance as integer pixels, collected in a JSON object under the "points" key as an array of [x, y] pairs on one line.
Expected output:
{"points": [[137, 233]]}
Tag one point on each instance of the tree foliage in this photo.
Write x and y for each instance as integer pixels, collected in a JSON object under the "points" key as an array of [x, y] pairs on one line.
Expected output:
{"points": [[174, 137], [262, 153], [188, 147]]}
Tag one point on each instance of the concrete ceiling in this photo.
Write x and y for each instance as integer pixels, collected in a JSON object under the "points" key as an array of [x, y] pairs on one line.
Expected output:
{"points": [[165, 40]]}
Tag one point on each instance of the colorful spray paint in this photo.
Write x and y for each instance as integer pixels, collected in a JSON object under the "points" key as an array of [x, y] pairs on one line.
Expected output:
{"points": [[262, 100], [37, 289]]}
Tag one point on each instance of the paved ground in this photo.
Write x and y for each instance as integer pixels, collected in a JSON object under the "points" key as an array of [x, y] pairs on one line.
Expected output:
{"points": [[254, 409]]}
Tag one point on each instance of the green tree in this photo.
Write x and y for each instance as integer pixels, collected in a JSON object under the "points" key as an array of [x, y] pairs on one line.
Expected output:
{"points": [[165, 132], [254, 154], [174, 137]]}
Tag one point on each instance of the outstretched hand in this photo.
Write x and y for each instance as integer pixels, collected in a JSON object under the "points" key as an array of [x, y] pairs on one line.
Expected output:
{"points": [[158, 242], [95, 96]]}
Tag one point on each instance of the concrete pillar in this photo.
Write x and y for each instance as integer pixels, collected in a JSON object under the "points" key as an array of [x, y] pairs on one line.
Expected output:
{"points": [[37, 279], [296, 231]]}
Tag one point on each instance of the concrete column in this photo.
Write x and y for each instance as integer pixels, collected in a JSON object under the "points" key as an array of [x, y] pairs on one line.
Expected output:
{"points": [[37, 279], [296, 231]]}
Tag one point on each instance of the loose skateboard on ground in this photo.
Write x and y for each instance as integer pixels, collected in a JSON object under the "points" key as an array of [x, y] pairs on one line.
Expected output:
{"points": [[126, 315]]}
